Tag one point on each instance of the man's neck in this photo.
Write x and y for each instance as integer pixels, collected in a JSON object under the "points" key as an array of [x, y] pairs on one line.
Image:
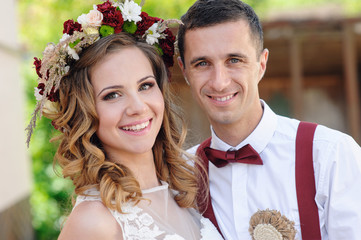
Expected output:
{"points": [[233, 134]]}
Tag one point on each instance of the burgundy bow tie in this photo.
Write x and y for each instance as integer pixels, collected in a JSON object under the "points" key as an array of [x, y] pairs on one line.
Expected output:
{"points": [[245, 154]]}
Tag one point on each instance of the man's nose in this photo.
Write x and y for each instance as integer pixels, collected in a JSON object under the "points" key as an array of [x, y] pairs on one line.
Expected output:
{"points": [[220, 78]]}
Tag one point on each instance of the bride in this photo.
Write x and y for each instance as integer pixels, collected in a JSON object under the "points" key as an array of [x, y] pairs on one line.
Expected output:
{"points": [[105, 88]]}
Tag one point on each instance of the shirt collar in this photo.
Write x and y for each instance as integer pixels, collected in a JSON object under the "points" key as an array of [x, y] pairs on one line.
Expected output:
{"points": [[260, 136]]}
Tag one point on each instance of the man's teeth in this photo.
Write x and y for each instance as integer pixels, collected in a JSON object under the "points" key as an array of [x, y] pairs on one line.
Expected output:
{"points": [[223, 99], [137, 127]]}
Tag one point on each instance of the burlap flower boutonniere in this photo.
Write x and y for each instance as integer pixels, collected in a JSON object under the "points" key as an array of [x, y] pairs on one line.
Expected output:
{"points": [[271, 225]]}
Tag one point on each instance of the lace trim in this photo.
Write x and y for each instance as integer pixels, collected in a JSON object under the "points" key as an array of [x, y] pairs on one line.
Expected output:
{"points": [[139, 225]]}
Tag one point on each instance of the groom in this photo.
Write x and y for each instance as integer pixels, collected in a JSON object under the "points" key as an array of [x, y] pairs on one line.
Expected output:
{"points": [[315, 182]]}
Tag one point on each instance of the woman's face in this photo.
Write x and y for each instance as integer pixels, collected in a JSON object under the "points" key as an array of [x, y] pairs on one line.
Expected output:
{"points": [[129, 103]]}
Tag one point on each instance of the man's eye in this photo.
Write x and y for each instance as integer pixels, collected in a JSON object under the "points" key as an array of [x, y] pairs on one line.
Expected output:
{"points": [[111, 96], [146, 86], [235, 60], [202, 64]]}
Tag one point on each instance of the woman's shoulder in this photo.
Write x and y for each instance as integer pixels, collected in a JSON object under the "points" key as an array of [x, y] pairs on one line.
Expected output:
{"points": [[91, 220]]}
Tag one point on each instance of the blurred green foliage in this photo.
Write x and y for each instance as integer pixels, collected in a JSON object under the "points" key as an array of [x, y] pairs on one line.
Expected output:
{"points": [[41, 21]]}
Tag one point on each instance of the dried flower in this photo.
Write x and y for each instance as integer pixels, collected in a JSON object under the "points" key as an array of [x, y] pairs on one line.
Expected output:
{"points": [[270, 224]]}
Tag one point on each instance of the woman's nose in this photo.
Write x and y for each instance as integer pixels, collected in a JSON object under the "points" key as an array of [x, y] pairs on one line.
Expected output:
{"points": [[136, 105]]}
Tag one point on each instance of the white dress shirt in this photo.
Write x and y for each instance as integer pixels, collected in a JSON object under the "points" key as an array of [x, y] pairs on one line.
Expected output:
{"points": [[239, 190]]}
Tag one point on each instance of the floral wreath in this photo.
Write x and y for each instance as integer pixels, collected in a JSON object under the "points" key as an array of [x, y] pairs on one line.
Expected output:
{"points": [[103, 20]]}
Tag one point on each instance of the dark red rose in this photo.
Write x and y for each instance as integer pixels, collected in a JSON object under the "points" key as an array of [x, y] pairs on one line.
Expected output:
{"points": [[167, 44], [37, 64], [146, 22], [168, 60], [41, 86], [114, 19], [111, 16], [105, 7], [70, 26], [53, 96]]}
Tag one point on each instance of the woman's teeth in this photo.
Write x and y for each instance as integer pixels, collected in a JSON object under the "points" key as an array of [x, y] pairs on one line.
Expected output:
{"points": [[137, 127]]}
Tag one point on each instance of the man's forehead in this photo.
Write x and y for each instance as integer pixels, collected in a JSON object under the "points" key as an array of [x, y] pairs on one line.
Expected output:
{"points": [[228, 35]]}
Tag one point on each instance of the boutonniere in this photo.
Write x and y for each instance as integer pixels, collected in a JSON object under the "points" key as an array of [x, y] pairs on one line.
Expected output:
{"points": [[271, 225]]}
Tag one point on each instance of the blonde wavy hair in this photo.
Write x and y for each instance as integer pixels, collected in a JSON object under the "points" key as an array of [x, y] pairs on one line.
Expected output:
{"points": [[80, 152]]}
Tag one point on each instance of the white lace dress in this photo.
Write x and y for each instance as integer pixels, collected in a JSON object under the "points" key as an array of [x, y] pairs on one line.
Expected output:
{"points": [[159, 218]]}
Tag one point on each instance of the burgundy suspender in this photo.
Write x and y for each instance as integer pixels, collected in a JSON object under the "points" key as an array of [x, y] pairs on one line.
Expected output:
{"points": [[305, 182], [207, 209]]}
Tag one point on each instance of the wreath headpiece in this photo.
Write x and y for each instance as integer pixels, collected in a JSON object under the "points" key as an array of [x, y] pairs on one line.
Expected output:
{"points": [[103, 20]]}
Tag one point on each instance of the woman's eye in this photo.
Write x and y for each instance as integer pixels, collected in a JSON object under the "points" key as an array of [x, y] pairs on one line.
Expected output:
{"points": [[111, 96], [145, 86]]}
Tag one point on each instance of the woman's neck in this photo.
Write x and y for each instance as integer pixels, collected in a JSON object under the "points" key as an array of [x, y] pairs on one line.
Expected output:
{"points": [[142, 167]]}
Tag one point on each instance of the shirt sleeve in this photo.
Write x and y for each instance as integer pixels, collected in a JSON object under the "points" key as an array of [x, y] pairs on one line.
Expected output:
{"points": [[338, 184]]}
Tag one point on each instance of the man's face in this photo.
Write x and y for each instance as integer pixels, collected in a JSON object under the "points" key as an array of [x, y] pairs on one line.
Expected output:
{"points": [[223, 68]]}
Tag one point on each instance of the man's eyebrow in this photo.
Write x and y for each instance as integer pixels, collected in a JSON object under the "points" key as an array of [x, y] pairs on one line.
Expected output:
{"points": [[240, 55], [197, 60], [203, 58]]}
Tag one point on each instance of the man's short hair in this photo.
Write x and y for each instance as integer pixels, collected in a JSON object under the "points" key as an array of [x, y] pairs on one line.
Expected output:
{"points": [[205, 13]]}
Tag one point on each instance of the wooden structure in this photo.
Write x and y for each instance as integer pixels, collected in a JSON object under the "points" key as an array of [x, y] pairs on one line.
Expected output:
{"points": [[313, 74]]}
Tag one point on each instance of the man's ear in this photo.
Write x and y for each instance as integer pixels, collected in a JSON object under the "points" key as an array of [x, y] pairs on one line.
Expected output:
{"points": [[263, 63], [180, 63], [181, 66]]}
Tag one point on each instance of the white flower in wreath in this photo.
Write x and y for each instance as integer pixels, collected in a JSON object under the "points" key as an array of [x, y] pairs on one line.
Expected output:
{"points": [[152, 34], [72, 53], [130, 11], [145, 219], [37, 94], [66, 69], [64, 37]]}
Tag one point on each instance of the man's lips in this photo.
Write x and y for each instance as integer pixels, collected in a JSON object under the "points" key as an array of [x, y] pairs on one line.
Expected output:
{"points": [[223, 98]]}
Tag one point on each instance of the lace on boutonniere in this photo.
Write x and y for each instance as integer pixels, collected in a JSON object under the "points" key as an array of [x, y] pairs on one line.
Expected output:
{"points": [[271, 224]]}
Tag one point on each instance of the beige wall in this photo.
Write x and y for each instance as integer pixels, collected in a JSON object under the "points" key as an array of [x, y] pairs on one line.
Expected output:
{"points": [[15, 178]]}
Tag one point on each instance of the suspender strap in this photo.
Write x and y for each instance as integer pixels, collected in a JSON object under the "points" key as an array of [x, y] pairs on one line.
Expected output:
{"points": [[206, 209], [305, 182]]}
